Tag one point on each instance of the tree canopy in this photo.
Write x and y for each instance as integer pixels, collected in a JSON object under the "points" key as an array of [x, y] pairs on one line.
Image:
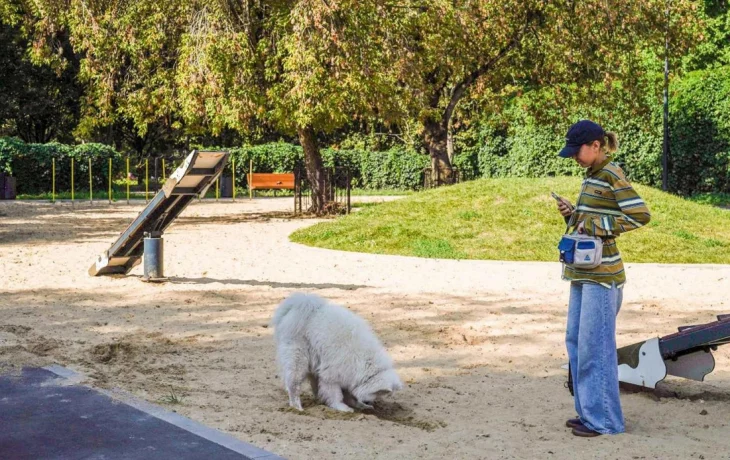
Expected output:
{"points": [[168, 71]]}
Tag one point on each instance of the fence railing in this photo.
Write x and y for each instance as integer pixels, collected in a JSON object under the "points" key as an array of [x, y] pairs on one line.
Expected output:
{"points": [[337, 191]]}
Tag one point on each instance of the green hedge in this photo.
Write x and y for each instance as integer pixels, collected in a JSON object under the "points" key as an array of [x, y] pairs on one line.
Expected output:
{"points": [[397, 168], [31, 164], [700, 146], [513, 144]]}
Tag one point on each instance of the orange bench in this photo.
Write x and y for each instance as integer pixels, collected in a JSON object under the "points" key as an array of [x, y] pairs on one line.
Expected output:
{"points": [[270, 181]]}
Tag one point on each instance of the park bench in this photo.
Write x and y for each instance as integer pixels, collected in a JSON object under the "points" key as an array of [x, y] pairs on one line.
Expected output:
{"points": [[270, 181]]}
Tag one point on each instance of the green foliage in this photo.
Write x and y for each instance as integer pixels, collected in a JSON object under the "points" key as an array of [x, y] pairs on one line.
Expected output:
{"points": [[700, 147], [271, 157], [397, 168], [715, 199], [712, 51], [8, 148], [38, 103], [32, 165], [518, 144]]}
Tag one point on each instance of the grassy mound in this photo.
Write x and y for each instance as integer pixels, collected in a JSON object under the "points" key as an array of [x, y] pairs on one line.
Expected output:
{"points": [[516, 219]]}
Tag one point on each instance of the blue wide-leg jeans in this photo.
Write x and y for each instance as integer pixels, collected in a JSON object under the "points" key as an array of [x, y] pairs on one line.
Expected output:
{"points": [[591, 343]]}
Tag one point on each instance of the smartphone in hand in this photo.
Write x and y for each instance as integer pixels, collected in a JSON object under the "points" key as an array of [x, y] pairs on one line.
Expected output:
{"points": [[557, 197]]}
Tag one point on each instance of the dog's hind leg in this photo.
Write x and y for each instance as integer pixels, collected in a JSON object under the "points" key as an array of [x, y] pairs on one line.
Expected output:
{"points": [[331, 394], [314, 381], [294, 364]]}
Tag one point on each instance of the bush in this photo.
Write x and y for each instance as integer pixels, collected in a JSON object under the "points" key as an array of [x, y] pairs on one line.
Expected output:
{"points": [[397, 168], [700, 122], [515, 145], [32, 165], [9, 146]]}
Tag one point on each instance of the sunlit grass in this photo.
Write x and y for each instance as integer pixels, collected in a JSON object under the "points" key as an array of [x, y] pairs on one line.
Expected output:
{"points": [[516, 219]]}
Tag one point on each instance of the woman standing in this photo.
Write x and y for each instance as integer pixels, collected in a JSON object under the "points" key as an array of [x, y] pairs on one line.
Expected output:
{"points": [[607, 206]]}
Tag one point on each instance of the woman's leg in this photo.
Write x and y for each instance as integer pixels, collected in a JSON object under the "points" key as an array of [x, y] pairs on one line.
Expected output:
{"points": [[571, 337], [597, 369]]}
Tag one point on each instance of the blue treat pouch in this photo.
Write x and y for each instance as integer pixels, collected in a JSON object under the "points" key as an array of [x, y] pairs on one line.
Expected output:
{"points": [[567, 250]]}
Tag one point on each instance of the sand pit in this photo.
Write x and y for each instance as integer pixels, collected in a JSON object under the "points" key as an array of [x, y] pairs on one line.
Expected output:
{"points": [[479, 344]]}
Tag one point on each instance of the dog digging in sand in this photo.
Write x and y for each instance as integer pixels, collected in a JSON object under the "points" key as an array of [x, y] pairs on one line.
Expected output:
{"points": [[336, 349]]}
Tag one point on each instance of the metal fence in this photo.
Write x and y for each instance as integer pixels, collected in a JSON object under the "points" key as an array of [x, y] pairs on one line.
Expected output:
{"points": [[337, 191]]}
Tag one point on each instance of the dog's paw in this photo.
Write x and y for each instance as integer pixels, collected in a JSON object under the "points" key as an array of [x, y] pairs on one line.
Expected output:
{"points": [[342, 407], [363, 406], [296, 405]]}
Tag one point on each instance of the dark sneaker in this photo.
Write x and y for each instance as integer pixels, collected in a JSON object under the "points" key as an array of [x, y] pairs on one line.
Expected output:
{"points": [[573, 422], [585, 432]]}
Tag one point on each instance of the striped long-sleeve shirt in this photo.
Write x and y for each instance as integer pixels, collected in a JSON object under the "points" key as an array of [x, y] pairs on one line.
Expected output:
{"points": [[609, 206]]}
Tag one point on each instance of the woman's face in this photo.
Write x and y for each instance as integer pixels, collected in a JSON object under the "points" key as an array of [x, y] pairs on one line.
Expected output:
{"points": [[588, 154]]}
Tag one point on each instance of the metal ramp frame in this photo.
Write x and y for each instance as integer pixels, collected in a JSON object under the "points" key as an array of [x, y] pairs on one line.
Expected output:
{"points": [[686, 353], [193, 178]]}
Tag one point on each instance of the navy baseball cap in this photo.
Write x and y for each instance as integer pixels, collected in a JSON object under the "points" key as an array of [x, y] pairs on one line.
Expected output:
{"points": [[583, 132]]}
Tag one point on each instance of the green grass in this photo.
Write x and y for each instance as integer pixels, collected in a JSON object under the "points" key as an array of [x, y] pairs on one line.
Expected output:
{"points": [[380, 192], [172, 397], [516, 219], [715, 199]]}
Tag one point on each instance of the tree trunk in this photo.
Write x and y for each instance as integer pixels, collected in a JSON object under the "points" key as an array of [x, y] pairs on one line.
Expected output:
{"points": [[450, 142], [436, 138], [315, 169], [436, 132]]}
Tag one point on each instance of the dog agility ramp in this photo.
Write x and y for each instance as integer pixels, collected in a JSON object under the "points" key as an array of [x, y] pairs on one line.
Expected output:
{"points": [[197, 173], [686, 353]]}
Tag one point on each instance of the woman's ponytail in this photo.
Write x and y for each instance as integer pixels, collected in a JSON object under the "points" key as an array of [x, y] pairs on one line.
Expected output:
{"points": [[610, 143]]}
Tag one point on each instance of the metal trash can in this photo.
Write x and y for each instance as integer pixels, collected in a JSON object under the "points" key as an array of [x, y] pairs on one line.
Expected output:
{"points": [[7, 187], [226, 187], [153, 257]]}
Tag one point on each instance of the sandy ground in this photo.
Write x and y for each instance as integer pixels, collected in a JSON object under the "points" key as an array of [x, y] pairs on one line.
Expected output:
{"points": [[479, 344]]}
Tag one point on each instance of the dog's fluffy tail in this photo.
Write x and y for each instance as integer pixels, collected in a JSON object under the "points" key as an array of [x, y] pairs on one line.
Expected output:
{"points": [[299, 300]]}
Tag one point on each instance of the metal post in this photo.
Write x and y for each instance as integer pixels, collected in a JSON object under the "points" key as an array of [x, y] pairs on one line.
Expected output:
{"points": [[157, 177], [299, 183], [250, 178], [110, 181], [233, 176], [296, 189], [127, 181], [91, 187], [153, 257], [53, 180], [217, 188], [163, 168], [665, 146], [349, 206], [147, 179], [72, 180]]}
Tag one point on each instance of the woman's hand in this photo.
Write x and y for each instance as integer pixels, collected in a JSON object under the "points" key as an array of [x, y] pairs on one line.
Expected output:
{"points": [[581, 227], [565, 208]]}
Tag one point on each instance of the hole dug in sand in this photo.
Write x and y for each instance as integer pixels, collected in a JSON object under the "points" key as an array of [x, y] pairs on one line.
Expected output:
{"points": [[132, 348], [390, 411], [108, 352]]}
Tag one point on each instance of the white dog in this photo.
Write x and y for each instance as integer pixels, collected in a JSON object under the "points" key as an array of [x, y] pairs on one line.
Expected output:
{"points": [[344, 360]]}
